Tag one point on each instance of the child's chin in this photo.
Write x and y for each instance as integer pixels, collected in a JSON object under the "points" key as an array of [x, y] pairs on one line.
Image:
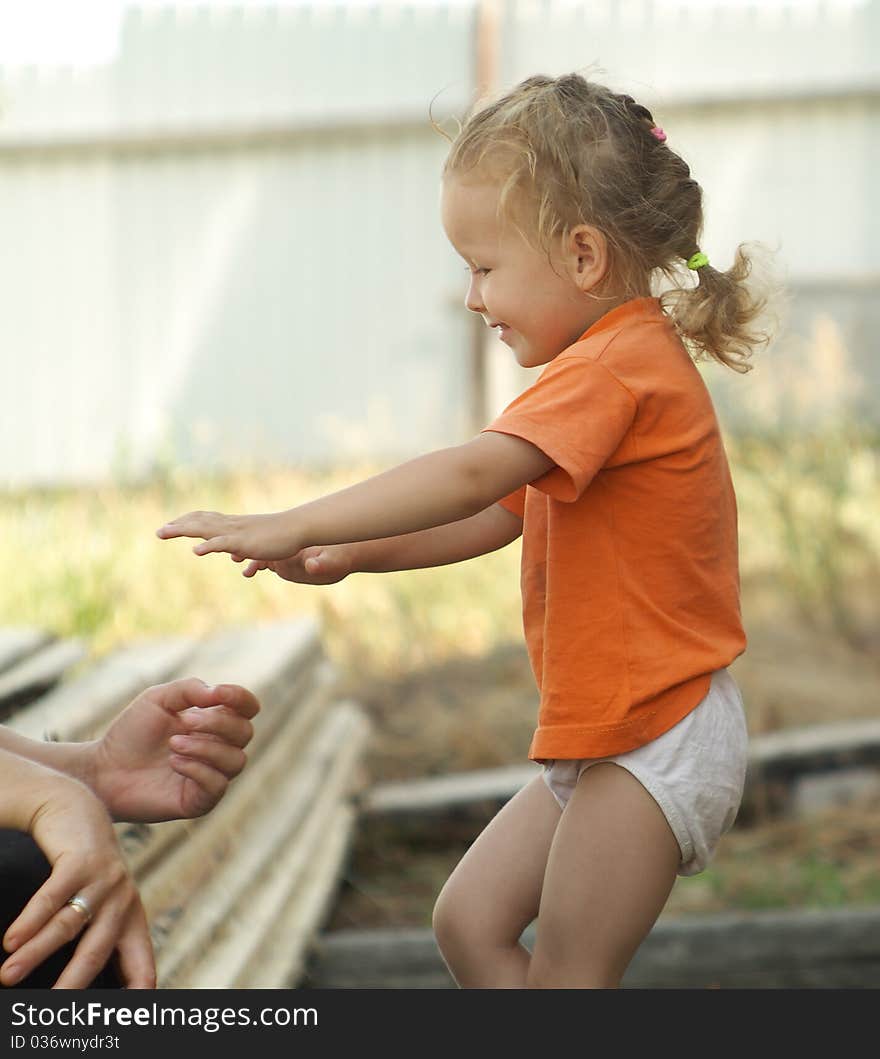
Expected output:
{"points": [[532, 358]]}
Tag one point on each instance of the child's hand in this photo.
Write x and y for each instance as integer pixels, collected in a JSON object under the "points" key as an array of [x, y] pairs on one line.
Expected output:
{"points": [[249, 536], [311, 566]]}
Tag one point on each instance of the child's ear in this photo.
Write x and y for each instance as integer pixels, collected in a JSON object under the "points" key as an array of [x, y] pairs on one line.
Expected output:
{"points": [[588, 256]]}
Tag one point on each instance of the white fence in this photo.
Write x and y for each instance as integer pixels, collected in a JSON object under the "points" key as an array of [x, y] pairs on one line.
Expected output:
{"points": [[223, 246]]}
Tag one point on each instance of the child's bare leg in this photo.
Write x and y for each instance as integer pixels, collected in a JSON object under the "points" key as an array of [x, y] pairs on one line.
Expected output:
{"points": [[494, 893], [610, 870]]}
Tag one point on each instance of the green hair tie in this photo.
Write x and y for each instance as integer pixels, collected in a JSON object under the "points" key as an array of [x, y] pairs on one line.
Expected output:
{"points": [[697, 260]]}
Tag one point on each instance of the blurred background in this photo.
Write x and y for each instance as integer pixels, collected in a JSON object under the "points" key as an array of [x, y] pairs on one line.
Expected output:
{"points": [[224, 284]]}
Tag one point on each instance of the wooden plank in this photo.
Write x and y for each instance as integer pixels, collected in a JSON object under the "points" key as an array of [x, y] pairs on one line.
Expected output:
{"points": [[189, 889], [781, 763], [264, 658], [280, 663], [283, 965], [443, 793], [263, 940], [18, 643], [32, 676], [82, 708], [793, 751], [449, 808], [468, 799], [405, 958], [785, 948], [795, 948], [284, 781]]}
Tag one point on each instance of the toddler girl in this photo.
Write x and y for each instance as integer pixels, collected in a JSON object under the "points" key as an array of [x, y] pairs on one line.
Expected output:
{"points": [[568, 205]]}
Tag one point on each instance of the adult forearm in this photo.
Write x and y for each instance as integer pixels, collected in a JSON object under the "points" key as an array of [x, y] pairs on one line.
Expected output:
{"points": [[25, 786], [69, 758]]}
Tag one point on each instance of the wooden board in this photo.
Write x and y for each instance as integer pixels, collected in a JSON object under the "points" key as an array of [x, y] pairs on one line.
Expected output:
{"points": [[236, 897], [786, 949], [264, 658], [198, 887], [33, 675], [82, 708], [460, 804], [16, 644], [287, 672]]}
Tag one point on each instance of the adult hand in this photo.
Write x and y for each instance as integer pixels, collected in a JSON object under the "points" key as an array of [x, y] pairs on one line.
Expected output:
{"points": [[73, 829], [173, 751]]}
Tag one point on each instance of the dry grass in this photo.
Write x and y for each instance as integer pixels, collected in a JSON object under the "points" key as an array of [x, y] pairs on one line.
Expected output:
{"points": [[87, 563]]}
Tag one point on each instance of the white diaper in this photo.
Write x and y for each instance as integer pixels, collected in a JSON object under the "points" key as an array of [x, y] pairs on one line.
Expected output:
{"points": [[695, 772]]}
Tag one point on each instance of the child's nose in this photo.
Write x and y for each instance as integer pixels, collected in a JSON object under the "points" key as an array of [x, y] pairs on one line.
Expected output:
{"points": [[473, 299]]}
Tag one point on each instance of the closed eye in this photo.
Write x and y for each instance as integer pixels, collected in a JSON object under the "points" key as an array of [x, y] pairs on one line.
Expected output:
{"points": [[477, 271]]}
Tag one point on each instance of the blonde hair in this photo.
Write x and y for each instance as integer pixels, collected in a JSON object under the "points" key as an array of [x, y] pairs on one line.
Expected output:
{"points": [[567, 151]]}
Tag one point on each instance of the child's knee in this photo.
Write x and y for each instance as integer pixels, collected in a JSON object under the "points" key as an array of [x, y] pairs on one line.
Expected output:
{"points": [[448, 923], [458, 929]]}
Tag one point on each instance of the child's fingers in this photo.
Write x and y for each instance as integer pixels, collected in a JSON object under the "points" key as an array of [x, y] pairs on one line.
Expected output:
{"points": [[215, 544], [254, 567], [195, 524], [177, 528]]}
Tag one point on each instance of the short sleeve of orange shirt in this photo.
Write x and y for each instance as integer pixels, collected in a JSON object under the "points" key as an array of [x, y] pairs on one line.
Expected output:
{"points": [[630, 577]]}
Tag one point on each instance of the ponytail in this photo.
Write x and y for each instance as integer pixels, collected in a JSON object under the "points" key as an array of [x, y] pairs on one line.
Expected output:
{"points": [[723, 316]]}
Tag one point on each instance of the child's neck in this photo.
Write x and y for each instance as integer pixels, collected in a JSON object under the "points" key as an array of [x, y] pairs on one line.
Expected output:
{"points": [[606, 303]]}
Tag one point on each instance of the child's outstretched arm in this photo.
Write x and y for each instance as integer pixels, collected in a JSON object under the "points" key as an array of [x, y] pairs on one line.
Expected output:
{"points": [[484, 532], [487, 531], [433, 490]]}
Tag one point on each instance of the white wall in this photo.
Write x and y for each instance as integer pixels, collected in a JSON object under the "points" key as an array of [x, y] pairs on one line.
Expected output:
{"points": [[223, 245]]}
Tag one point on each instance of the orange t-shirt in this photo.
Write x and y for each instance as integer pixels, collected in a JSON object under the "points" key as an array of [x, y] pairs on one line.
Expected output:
{"points": [[630, 576]]}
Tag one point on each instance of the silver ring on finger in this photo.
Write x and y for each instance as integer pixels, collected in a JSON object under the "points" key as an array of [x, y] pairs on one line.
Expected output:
{"points": [[79, 902]]}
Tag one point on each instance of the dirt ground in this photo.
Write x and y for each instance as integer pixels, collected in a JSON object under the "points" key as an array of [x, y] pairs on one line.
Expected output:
{"points": [[475, 713]]}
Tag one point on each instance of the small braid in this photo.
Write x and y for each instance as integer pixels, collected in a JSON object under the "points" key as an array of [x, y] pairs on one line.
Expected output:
{"points": [[636, 109]]}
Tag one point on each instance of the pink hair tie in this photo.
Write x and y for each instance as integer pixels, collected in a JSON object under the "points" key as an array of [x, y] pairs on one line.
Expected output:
{"points": [[658, 134]]}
